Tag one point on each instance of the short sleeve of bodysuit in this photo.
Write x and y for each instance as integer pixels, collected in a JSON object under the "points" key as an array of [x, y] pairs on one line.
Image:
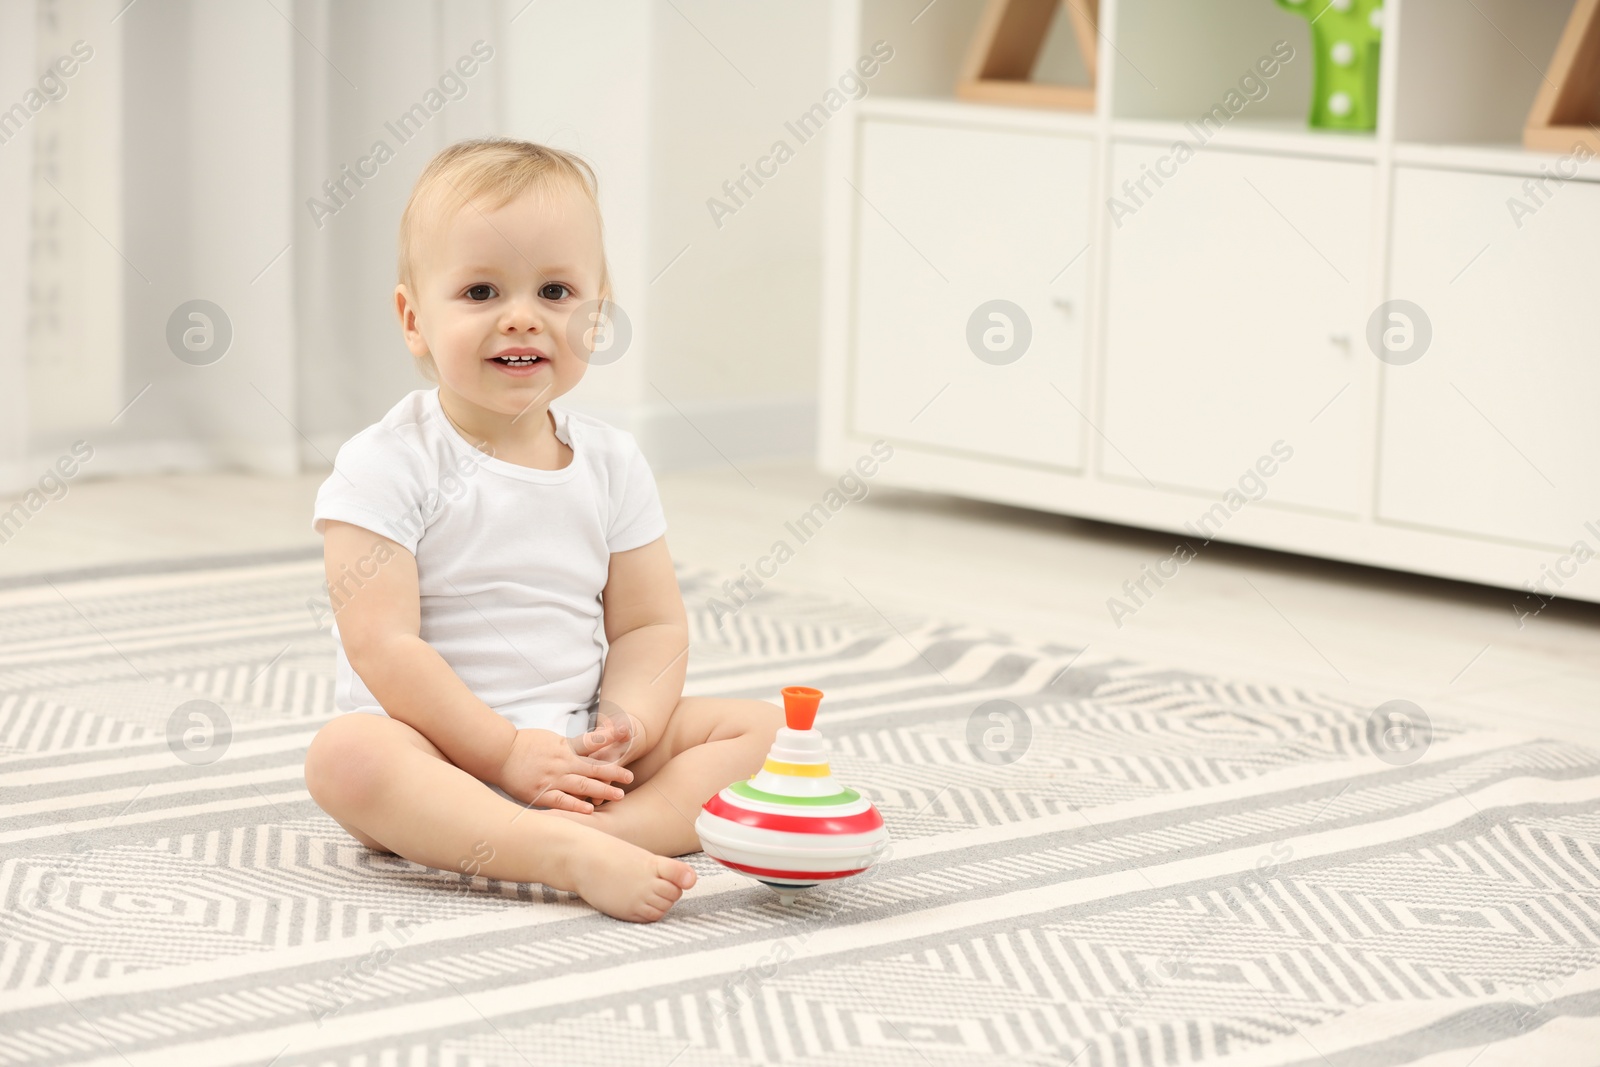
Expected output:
{"points": [[636, 514], [378, 483]]}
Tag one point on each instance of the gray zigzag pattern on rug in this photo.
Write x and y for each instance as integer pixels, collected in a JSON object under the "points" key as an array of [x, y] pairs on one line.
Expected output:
{"points": [[1180, 868]]}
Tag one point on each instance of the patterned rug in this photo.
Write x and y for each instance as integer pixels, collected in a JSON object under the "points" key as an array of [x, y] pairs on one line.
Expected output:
{"points": [[1094, 861]]}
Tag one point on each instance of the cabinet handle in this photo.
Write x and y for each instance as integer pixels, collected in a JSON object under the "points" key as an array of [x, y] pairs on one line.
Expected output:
{"points": [[1342, 340], [1063, 303]]}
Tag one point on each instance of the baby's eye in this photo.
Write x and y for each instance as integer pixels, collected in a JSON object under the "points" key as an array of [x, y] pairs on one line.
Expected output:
{"points": [[553, 285], [475, 288]]}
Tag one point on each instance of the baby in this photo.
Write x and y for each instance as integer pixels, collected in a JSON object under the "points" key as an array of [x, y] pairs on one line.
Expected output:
{"points": [[477, 540]]}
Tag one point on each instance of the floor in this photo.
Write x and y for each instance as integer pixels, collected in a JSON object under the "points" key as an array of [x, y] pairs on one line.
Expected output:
{"points": [[1363, 633], [1157, 866]]}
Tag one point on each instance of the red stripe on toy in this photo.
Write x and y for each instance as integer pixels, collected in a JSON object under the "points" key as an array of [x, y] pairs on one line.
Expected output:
{"points": [[800, 876], [798, 824]]}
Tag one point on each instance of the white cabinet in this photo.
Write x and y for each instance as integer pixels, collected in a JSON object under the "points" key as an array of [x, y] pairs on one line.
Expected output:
{"points": [[1234, 317], [1493, 430], [1222, 298], [950, 219]]}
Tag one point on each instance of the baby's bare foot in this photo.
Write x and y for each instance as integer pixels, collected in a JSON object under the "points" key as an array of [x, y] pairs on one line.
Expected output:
{"points": [[628, 882]]}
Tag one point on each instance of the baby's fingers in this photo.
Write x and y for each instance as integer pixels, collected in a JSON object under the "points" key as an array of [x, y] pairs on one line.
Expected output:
{"points": [[580, 786], [555, 798], [614, 734], [606, 772]]}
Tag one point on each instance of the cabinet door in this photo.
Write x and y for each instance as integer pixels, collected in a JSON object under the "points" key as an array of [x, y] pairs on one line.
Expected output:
{"points": [[949, 219], [1492, 430], [1234, 318]]}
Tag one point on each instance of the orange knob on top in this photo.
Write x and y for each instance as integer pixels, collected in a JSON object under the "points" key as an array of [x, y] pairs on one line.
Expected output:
{"points": [[800, 706]]}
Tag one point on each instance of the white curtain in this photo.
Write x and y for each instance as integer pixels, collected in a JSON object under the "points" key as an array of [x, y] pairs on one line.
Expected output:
{"points": [[161, 167]]}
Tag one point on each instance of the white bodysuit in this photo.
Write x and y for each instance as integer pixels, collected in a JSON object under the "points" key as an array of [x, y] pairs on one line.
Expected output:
{"points": [[510, 560]]}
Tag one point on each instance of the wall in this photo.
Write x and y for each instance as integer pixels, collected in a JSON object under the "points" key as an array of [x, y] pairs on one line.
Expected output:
{"points": [[670, 101], [202, 134]]}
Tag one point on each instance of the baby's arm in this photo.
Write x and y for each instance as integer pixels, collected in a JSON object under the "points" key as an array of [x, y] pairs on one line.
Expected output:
{"points": [[379, 624], [648, 631]]}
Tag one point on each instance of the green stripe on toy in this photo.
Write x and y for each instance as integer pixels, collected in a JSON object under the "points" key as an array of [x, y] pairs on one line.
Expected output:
{"points": [[750, 792]]}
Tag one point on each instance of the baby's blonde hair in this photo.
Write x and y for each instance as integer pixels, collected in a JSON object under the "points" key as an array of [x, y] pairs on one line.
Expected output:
{"points": [[490, 172]]}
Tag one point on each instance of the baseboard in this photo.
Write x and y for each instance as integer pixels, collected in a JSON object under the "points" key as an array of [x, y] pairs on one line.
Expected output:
{"points": [[707, 434], [148, 457]]}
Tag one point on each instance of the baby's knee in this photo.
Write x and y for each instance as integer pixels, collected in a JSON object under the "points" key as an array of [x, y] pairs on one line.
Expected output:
{"points": [[342, 762]]}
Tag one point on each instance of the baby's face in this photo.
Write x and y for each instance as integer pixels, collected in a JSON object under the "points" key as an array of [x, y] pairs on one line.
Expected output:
{"points": [[512, 278]]}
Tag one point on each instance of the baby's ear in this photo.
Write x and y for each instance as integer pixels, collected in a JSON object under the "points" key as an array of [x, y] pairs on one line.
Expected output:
{"points": [[405, 307]]}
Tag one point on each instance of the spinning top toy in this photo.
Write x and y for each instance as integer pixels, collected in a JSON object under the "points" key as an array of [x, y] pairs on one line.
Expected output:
{"points": [[791, 825]]}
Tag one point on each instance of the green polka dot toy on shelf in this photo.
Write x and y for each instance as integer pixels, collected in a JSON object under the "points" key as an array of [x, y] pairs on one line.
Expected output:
{"points": [[1344, 37], [791, 825]]}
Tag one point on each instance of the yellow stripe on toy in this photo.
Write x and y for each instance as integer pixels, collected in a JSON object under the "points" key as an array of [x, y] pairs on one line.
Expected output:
{"points": [[803, 770]]}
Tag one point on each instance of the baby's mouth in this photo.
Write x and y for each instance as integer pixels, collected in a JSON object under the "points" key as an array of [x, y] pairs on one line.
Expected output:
{"points": [[518, 361]]}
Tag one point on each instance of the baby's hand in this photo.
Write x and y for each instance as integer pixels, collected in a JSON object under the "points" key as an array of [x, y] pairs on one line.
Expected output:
{"points": [[618, 736], [547, 769]]}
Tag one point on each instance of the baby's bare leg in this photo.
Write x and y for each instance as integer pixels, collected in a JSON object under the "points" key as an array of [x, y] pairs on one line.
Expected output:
{"points": [[708, 743], [392, 788]]}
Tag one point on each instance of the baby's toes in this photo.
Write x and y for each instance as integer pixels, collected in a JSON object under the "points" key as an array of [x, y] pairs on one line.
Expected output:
{"points": [[680, 874], [665, 892]]}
